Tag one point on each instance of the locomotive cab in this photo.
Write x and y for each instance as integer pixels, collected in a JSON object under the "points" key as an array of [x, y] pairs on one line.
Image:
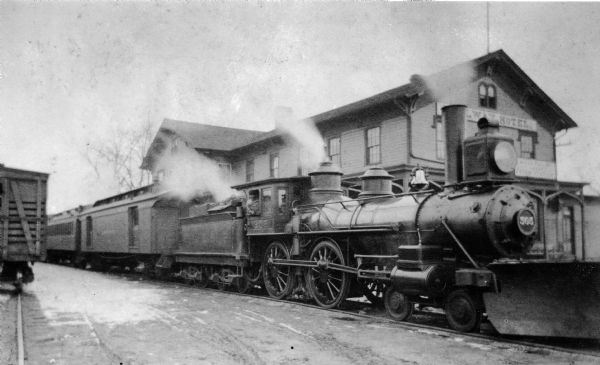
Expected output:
{"points": [[269, 202]]}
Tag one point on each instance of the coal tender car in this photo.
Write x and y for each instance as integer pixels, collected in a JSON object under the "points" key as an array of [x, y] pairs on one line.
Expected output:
{"points": [[22, 223]]}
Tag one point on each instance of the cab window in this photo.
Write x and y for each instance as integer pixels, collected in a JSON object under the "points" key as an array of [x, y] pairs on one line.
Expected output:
{"points": [[253, 203], [266, 203], [282, 200]]}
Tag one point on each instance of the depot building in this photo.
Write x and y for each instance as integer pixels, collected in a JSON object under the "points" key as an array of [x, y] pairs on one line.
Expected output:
{"points": [[402, 128]]}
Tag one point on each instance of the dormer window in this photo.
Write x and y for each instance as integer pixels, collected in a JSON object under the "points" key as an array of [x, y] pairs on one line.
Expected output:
{"points": [[487, 95]]}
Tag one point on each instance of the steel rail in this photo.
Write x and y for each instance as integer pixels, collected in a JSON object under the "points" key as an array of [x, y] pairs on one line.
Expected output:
{"points": [[20, 342]]}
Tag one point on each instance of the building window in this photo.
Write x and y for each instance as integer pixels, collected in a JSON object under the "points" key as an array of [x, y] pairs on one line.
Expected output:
{"points": [[487, 96], [373, 146], [249, 170], [440, 141], [333, 150], [225, 169], [527, 141], [303, 161], [274, 165], [568, 233]]}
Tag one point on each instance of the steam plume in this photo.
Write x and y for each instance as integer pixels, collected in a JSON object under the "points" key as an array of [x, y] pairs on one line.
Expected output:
{"points": [[189, 174], [304, 133], [448, 87]]}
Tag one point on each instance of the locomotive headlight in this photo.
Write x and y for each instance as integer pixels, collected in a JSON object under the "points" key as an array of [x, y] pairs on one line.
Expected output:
{"points": [[525, 220], [505, 157]]}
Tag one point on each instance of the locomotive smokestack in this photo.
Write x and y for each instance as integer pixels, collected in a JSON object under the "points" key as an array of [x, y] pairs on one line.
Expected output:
{"points": [[454, 117], [326, 183]]}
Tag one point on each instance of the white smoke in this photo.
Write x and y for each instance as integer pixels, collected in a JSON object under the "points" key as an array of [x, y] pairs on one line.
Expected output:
{"points": [[448, 86], [305, 134], [189, 174]]}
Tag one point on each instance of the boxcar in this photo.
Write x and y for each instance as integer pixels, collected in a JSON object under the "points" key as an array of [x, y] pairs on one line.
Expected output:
{"points": [[22, 222]]}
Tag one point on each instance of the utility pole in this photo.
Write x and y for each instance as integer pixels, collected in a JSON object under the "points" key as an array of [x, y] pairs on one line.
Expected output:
{"points": [[487, 6]]}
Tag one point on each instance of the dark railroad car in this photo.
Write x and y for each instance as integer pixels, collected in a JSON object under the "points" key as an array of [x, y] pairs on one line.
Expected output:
{"points": [[129, 229], [226, 242], [22, 222], [64, 236]]}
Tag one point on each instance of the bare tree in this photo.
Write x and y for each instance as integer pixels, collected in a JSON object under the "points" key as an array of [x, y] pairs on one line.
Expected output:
{"points": [[121, 155]]}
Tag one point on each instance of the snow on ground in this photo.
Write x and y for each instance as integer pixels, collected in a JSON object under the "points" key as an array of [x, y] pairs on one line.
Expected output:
{"points": [[100, 297]]}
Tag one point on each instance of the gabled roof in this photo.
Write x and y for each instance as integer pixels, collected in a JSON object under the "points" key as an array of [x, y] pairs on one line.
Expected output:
{"points": [[418, 86], [210, 137], [199, 136]]}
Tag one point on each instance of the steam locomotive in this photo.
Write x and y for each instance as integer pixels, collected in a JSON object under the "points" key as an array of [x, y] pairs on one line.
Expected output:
{"points": [[436, 246]]}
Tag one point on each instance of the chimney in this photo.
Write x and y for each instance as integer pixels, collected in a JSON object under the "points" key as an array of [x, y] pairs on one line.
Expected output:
{"points": [[454, 117]]}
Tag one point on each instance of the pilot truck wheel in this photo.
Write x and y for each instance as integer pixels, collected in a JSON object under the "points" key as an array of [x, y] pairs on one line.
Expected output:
{"points": [[463, 310], [397, 305]]}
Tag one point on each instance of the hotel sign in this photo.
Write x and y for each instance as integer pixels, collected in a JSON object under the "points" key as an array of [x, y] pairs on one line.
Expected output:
{"points": [[507, 121], [536, 169]]}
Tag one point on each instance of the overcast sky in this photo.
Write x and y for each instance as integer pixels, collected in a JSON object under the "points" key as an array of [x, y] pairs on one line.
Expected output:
{"points": [[72, 72]]}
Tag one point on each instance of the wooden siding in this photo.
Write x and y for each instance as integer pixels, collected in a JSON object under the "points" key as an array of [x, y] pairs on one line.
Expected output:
{"points": [[22, 215], [165, 229], [423, 137], [592, 228]]}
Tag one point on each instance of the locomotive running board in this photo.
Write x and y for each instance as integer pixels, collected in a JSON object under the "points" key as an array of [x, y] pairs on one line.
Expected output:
{"points": [[550, 300]]}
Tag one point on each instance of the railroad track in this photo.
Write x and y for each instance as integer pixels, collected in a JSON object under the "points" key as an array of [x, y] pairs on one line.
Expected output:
{"points": [[351, 308], [20, 339], [532, 345]]}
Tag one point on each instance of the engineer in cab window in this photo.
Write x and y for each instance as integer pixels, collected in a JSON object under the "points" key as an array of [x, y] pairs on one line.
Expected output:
{"points": [[252, 204]]}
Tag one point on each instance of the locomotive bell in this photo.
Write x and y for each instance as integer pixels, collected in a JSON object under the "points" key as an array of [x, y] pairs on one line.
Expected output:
{"points": [[326, 182], [375, 182]]}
